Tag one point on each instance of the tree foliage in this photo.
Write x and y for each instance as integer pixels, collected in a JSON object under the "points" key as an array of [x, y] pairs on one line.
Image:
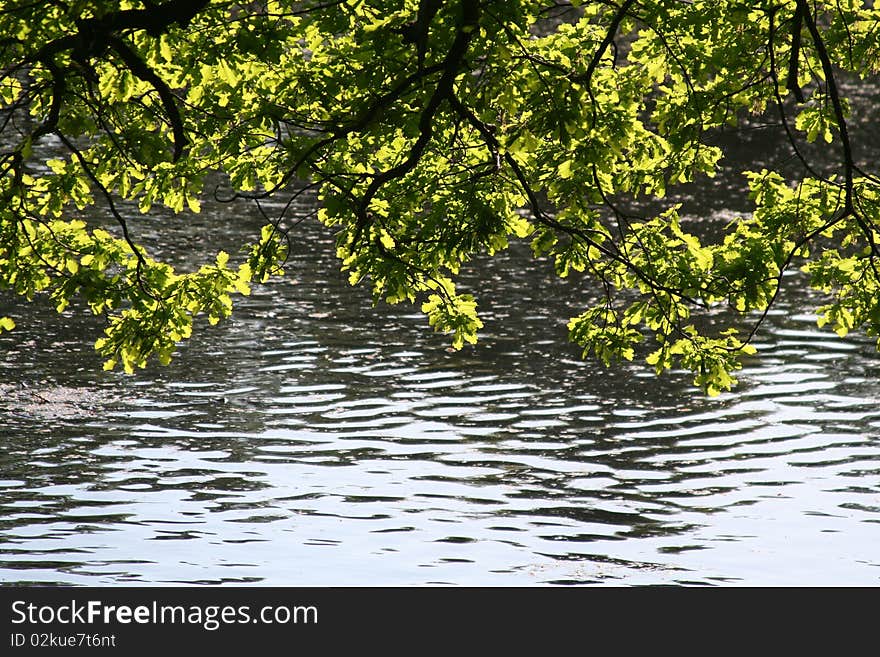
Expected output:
{"points": [[434, 131]]}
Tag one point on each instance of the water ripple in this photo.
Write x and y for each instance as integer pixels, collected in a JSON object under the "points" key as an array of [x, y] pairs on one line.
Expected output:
{"points": [[314, 440]]}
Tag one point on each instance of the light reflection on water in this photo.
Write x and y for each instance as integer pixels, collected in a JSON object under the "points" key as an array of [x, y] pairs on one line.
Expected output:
{"points": [[314, 440]]}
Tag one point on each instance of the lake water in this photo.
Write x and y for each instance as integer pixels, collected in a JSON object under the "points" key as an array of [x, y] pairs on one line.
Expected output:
{"points": [[315, 440]]}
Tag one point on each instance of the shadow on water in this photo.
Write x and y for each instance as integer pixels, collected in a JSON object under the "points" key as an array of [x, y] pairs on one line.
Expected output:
{"points": [[313, 439]]}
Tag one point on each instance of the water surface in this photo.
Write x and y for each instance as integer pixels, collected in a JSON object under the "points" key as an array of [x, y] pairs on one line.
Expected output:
{"points": [[315, 440]]}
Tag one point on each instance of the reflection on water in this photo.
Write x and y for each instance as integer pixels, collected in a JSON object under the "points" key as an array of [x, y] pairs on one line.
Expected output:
{"points": [[313, 439]]}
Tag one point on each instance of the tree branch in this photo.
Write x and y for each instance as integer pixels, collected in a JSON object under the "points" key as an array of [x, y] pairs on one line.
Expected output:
{"points": [[792, 82], [834, 94], [137, 66], [443, 91]]}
